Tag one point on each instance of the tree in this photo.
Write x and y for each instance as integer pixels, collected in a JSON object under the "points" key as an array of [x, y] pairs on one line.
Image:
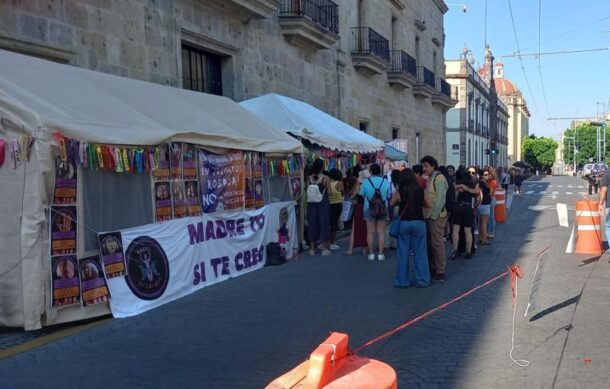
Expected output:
{"points": [[539, 152], [585, 137]]}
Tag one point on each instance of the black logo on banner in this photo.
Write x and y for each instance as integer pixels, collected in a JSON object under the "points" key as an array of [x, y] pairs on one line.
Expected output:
{"points": [[148, 268]]}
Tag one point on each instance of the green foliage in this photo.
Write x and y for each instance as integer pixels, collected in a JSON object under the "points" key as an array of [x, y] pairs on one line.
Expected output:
{"points": [[539, 152], [586, 139]]}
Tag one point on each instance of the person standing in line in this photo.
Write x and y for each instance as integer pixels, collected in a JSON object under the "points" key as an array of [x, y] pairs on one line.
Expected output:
{"points": [[604, 200], [358, 234], [335, 198], [467, 188], [505, 179], [371, 189], [436, 216], [318, 209], [419, 173], [484, 208], [393, 177], [411, 200], [493, 185]]}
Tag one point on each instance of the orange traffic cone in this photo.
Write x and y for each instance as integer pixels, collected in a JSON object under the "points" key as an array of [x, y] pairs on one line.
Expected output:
{"points": [[330, 367], [588, 230], [500, 209]]}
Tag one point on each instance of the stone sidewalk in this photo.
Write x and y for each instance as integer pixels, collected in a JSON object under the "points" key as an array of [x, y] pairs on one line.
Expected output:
{"points": [[244, 332]]}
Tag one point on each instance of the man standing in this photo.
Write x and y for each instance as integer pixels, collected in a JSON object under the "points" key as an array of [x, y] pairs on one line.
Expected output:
{"points": [[436, 216], [603, 200]]}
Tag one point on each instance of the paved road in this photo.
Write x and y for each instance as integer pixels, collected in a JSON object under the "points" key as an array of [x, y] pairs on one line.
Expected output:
{"points": [[244, 332]]}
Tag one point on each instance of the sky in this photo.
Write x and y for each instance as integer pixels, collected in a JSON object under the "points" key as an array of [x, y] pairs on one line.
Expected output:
{"points": [[573, 83]]}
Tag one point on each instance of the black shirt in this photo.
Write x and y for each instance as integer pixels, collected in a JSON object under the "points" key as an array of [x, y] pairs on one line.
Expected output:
{"points": [[415, 209], [466, 198]]}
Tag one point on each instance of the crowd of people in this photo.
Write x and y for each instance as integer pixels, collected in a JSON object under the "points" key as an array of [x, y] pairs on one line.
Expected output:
{"points": [[415, 210]]}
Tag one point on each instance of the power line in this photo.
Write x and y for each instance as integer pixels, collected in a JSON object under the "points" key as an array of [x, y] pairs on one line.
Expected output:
{"points": [[537, 54], [546, 103], [589, 24], [521, 60]]}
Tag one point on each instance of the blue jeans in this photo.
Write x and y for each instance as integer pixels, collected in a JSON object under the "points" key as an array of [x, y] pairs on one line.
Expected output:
{"points": [[491, 225], [412, 237]]}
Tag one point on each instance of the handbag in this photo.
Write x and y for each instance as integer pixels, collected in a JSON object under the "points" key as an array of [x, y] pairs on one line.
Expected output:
{"points": [[395, 226]]}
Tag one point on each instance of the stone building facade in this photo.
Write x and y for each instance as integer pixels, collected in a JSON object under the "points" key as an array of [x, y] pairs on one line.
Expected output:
{"points": [[477, 127], [376, 64]]}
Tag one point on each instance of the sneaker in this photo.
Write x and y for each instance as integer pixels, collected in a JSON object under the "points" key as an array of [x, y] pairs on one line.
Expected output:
{"points": [[371, 257], [380, 257], [453, 255], [326, 253], [422, 285], [334, 247], [491, 236]]}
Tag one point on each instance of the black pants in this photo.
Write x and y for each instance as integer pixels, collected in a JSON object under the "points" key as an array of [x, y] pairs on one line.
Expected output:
{"points": [[591, 186]]}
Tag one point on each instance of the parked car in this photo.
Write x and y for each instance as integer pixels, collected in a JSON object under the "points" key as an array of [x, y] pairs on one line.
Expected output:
{"points": [[599, 169]]}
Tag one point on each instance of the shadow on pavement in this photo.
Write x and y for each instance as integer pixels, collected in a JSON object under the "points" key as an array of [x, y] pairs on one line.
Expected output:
{"points": [[554, 308]]}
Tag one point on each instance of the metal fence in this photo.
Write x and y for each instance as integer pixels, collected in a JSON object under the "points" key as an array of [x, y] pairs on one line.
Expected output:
{"points": [[369, 41], [402, 62], [322, 12]]}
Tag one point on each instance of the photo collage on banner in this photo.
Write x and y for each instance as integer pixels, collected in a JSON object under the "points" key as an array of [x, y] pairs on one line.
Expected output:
{"points": [[92, 281], [111, 248], [63, 230], [161, 188], [254, 197], [177, 184], [190, 177], [222, 180]]}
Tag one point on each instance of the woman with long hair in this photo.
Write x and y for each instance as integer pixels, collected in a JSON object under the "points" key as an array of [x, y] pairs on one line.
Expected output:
{"points": [[492, 182], [467, 189], [358, 235], [485, 207], [318, 212], [412, 236], [335, 197]]}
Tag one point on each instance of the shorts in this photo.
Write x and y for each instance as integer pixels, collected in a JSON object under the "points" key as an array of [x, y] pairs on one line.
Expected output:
{"points": [[463, 216], [369, 218], [484, 209]]}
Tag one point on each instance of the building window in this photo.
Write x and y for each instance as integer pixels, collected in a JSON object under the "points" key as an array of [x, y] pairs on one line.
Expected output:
{"points": [[395, 133], [201, 71], [364, 126]]}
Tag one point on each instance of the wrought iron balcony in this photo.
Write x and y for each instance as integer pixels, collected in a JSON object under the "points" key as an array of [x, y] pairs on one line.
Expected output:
{"points": [[310, 23], [426, 83], [403, 69], [370, 51], [442, 94], [445, 88]]}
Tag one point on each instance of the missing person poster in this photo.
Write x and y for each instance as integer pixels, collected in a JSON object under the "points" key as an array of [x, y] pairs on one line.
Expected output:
{"points": [[65, 283], [176, 161], [259, 199], [161, 172], [163, 201], [65, 183], [189, 162], [63, 230], [221, 179], [111, 248], [178, 199], [191, 191], [92, 282]]}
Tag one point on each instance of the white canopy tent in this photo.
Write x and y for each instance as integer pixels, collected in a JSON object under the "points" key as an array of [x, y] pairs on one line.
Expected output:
{"points": [[307, 122], [39, 97]]}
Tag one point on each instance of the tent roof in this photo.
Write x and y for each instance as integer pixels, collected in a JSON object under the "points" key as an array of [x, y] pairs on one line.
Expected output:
{"points": [[97, 107], [393, 154], [306, 121]]}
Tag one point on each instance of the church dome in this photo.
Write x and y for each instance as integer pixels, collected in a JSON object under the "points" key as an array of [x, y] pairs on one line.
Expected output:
{"points": [[505, 87]]}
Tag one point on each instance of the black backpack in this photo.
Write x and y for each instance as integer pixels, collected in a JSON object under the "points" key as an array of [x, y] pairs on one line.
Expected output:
{"points": [[274, 255], [378, 208]]}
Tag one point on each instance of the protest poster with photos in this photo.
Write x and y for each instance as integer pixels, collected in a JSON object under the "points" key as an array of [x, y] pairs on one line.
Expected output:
{"points": [[253, 193], [163, 201], [221, 180], [176, 161], [64, 192], [178, 199], [161, 156], [63, 230], [111, 249], [94, 289], [65, 282], [189, 162], [191, 192]]}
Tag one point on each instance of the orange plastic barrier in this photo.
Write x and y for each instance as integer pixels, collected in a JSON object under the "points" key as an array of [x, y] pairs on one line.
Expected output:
{"points": [[588, 232], [330, 367], [500, 209]]}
